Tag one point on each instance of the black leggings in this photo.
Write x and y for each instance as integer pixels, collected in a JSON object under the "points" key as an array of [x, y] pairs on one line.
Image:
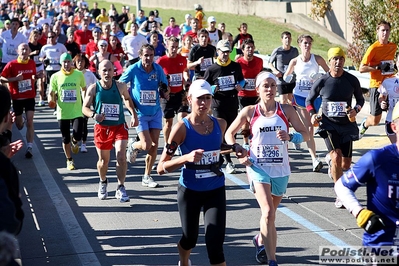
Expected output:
{"points": [[213, 203], [84, 131], [77, 126], [229, 116]]}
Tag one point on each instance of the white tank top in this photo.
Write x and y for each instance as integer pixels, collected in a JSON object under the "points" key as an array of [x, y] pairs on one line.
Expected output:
{"points": [[266, 151], [303, 70], [214, 37]]}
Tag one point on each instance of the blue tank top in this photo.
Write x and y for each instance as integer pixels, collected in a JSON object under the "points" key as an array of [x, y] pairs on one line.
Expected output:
{"points": [[109, 102], [202, 180]]}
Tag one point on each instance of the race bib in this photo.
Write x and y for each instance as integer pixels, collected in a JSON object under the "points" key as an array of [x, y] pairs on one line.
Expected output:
{"points": [[304, 85], [336, 109], [250, 86], [24, 85], [11, 50], [271, 155], [54, 61], [226, 83], [111, 111], [148, 98], [208, 157], [83, 48], [207, 62], [68, 96], [176, 80]]}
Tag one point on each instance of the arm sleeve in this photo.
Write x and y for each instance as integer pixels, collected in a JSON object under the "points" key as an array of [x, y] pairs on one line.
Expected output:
{"points": [[347, 197]]}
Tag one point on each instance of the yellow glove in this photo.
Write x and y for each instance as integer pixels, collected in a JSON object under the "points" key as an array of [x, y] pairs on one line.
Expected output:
{"points": [[370, 221]]}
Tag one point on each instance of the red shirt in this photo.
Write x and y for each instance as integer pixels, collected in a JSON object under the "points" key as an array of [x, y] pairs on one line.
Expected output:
{"points": [[193, 35], [24, 89], [82, 38], [43, 39], [174, 67], [250, 69], [116, 52]]}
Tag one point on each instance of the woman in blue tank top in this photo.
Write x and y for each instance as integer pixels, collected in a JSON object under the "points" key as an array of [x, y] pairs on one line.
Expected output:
{"points": [[201, 183]]}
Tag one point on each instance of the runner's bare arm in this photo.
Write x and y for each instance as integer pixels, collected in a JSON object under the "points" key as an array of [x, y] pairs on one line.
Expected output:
{"points": [[88, 100]]}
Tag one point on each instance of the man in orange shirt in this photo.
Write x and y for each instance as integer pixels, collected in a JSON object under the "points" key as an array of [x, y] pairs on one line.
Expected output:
{"points": [[200, 15], [379, 61]]}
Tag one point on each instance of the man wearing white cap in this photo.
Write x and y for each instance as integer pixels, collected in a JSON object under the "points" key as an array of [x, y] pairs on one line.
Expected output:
{"points": [[338, 125], [214, 34], [186, 26], [378, 171], [227, 79], [26, 28]]}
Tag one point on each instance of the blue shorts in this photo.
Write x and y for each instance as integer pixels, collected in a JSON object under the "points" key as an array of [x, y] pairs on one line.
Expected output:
{"points": [[300, 101], [278, 184], [146, 122]]}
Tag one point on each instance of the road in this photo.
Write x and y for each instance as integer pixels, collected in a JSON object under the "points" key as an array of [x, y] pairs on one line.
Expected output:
{"points": [[66, 224]]}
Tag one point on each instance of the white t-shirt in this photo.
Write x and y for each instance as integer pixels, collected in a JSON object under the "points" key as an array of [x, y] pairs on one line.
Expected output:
{"points": [[132, 44], [47, 20], [10, 45], [53, 53]]}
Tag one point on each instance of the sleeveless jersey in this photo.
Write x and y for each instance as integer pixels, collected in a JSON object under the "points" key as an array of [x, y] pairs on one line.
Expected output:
{"points": [[202, 180], [303, 70], [214, 37], [266, 151], [109, 102]]}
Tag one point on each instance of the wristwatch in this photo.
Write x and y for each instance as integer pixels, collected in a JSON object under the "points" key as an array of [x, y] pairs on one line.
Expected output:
{"points": [[93, 115]]}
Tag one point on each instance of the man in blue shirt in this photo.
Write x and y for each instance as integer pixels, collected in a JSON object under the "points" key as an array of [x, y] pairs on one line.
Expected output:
{"points": [[147, 84]]}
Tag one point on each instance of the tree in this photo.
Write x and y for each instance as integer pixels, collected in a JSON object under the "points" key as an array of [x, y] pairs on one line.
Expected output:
{"points": [[319, 8], [365, 16]]}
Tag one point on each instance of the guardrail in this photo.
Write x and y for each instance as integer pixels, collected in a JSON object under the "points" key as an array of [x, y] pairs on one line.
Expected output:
{"points": [[364, 78]]}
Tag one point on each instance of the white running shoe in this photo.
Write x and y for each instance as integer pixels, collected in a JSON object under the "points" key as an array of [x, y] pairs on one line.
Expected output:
{"points": [[102, 191], [121, 194], [147, 181], [317, 165], [131, 153], [230, 168]]}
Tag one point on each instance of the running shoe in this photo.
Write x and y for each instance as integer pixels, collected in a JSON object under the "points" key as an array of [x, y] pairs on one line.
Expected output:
{"points": [[102, 190], [362, 128], [230, 168], [41, 103], [260, 254], [328, 162], [70, 165], [131, 153], [338, 204], [147, 181], [83, 148], [28, 153], [74, 147], [272, 263], [317, 165], [189, 263], [121, 194], [296, 146]]}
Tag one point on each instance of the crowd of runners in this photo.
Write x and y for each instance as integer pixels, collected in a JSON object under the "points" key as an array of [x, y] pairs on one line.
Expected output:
{"points": [[200, 86]]}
